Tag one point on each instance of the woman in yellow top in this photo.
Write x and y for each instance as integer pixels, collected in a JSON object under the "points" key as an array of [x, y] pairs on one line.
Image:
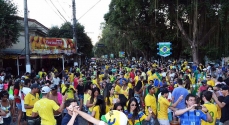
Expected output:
{"points": [[99, 108], [192, 78], [92, 100], [95, 82], [130, 95], [87, 95], [127, 75], [137, 77], [125, 88], [130, 83], [110, 99], [134, 114]]}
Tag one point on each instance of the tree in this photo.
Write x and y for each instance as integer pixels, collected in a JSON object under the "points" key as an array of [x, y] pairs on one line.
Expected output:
{"points": [[198, 36], [194, 27], [140, 26], [65, 31], [9, 27]]}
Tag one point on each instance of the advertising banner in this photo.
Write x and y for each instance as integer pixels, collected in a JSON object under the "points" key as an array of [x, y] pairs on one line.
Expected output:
{"points": [[44, 45], [32, 57]]}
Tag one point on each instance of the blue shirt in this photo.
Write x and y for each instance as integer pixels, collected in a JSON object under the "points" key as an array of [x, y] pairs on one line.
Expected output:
{"points": [[177, 92], [192, 117], [194, 68], [157, 83], [67, 118]]}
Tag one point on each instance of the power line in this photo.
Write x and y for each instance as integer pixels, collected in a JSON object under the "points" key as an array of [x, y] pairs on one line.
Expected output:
{"points": [[54, 10], [63, 9], [58, 11], [89, 9]]}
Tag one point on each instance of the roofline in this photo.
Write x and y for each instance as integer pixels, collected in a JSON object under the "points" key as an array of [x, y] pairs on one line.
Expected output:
{"points": [[33, 20]]}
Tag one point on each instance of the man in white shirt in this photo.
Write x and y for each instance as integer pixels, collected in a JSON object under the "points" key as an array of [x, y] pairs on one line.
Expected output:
{"points": [[2, 76], [56, 79], [25, 90], [1, 85]]}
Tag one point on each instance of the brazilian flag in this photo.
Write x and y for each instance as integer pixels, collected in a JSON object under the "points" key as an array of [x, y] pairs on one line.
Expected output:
{"points": [[164, 49]]}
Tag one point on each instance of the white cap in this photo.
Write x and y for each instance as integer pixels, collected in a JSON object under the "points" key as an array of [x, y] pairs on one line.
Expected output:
{"points": [[45, 89]]}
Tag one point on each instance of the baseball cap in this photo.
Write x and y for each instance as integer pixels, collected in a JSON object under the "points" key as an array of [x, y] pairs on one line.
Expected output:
{"points": [[150, 87], [45, 89], [225, 87], [33, 86], [204, 81], [53, 87]]}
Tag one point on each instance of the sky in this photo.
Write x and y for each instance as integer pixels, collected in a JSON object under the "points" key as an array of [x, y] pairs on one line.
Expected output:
{"points": [[44, 12]]}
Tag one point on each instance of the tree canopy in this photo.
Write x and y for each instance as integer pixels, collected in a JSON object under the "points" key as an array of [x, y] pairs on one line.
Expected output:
{"points": [[65, 31], [194, 27], [9, 27]]}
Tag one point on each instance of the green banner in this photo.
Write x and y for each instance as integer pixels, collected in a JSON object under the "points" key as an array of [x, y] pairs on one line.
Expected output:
{"points": [[111, 55], [164, 49]]}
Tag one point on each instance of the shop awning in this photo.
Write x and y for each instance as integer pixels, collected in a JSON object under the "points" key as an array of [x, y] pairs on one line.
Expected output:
{"points": [[32, 56]]}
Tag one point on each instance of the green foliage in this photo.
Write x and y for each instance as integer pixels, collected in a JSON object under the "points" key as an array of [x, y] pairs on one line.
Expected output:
{"points": [[9, 27], [136, 26], [65, 31]]}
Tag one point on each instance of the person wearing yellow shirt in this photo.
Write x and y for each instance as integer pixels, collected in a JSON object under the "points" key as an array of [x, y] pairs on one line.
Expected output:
{"points": [[107, 67], [29, 101], [124, 89], [87, 95], [212, 109], [42, 73], [71, 77], [117, 87], [149, 72], [210, 82], [163, 105], [150, 101], [95, 82], [101, 77], [68, 89], [110, 99], [99, 109], [130, 84], [127, 75], [92, 100], [137, 77], [44, 108], [135, 115]]}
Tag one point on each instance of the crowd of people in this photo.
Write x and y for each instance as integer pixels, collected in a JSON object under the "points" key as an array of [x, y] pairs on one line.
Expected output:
{"points": [[115, 92]]}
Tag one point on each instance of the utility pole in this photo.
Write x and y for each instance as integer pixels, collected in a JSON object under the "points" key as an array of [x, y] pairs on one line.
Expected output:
{"points": [[27, 57], [74, 28]]}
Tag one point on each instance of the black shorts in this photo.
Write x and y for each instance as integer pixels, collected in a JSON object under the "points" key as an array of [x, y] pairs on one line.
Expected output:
{"points": [[24, 116]]}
